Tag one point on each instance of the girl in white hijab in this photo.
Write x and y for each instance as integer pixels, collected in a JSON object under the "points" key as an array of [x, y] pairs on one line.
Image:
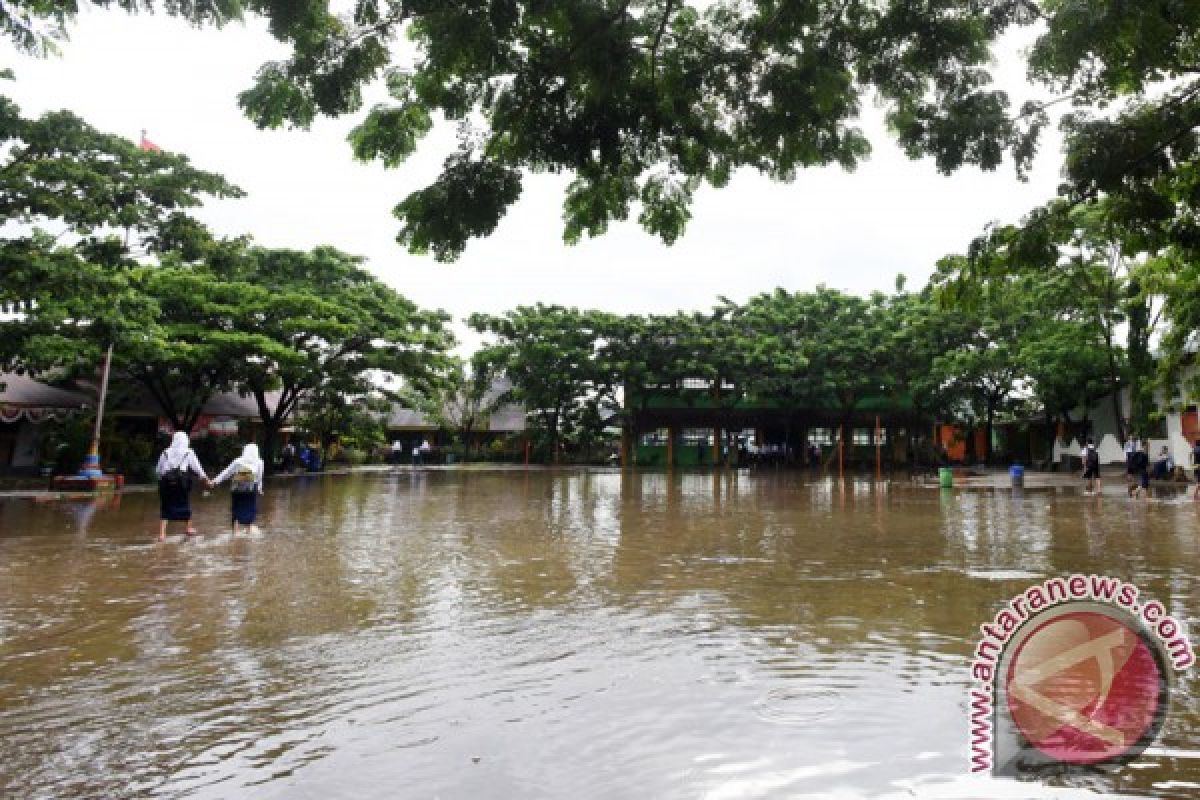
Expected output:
{"points": [[175, 466], [247, 473]]}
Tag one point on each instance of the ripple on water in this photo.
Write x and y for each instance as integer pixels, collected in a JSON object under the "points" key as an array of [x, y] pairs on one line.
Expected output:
{"points": [[1004, 575], [799, 705]]}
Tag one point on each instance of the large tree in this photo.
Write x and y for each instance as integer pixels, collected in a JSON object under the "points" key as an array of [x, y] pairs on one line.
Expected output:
{"points": [[640, 101], [88, 212], [466, 399], [199, 342], [1088, 261], [329, 325], [1177, 277], [843, 340], [550, 353], [59, 173], [637, 352], [984, 372]]}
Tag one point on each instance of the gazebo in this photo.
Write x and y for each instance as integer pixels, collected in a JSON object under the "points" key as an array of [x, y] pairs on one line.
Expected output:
{"points": [[25, 404]]}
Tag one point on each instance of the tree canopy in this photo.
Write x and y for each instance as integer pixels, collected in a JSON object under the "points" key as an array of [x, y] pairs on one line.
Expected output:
{"points": [[58, 168], [642, 102], [328, 326], [548, 352], [187, 315]]}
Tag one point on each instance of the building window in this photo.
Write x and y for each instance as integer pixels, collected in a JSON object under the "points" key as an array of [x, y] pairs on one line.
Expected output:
{"points": [[696, 436], [821, 436], [861, 436], [657, 438]]}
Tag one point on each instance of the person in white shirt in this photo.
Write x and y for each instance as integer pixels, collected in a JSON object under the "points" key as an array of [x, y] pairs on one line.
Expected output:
{"points": [[174, 470], [1164, 465], [246, 472], [1091, 467]]}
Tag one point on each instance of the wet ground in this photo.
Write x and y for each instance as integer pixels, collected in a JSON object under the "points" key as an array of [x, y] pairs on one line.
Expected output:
{"points": [[474, 634]]}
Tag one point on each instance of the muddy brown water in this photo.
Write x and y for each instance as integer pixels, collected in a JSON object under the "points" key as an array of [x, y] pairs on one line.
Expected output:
{"points": [[550, 634]]}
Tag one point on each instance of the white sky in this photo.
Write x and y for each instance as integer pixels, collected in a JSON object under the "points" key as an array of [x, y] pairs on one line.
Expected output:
{"points": [[853, 231]]}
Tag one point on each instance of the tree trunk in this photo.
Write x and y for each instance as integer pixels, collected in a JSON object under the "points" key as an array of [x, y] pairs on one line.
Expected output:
{"points": [[190, 419], [554, 437], [847, 424], [1114, 382], [987, 434], [272, 422], [270, 442], [1141, 364]]}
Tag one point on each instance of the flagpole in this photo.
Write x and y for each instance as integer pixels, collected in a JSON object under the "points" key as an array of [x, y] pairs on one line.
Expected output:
{"points": [[91, 462]]}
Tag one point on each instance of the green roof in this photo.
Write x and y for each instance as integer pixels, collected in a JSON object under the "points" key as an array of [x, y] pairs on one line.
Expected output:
{"points": [[703, 399]]}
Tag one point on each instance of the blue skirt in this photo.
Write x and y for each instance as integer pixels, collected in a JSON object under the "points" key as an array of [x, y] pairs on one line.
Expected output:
{"points": [[245, 507], [173, 503]]}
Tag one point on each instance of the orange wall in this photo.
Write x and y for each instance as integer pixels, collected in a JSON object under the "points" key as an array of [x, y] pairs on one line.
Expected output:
{"points": [[954, 440]]}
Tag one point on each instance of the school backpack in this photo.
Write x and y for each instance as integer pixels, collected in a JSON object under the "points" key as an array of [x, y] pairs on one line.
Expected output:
{"points": [[243, 479], [176, 478]]}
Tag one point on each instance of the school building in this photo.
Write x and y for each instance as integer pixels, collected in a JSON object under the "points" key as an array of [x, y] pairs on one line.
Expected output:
{"points": [[1177, 428], [696, 425], [411, 427]]}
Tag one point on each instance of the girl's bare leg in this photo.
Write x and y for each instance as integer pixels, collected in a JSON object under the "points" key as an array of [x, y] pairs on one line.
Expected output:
{"points": [[162, 530]]}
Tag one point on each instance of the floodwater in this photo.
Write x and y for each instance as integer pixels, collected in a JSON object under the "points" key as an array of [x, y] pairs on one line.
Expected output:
{"points": [[547, 634]]}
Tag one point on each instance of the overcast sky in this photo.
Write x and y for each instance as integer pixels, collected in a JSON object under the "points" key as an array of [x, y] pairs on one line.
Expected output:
{"points": [[853, 231]]}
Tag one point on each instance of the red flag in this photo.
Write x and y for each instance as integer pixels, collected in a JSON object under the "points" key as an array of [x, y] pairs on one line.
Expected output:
{"points": [[148, 145]]}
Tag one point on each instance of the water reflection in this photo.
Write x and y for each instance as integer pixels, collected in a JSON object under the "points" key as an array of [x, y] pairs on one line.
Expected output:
{"points": [[544, 634]]}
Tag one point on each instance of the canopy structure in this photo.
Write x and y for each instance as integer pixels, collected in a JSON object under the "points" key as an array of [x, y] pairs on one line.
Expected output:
{"points": [[22, 398]]}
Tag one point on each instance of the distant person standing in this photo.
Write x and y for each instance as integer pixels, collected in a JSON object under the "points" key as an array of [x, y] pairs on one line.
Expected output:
{"points": [[288, 457], [1130, 453], [1196, 469], [397, 454], [246, 472], [174, 470], [426, 449], [1140, 469], [311, 458], [1091, 466]]}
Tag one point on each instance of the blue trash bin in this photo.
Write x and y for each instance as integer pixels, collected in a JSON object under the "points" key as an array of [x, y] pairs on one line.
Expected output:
{"points": [[1017, 473]]}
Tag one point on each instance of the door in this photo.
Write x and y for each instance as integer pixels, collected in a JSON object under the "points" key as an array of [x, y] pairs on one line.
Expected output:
{"points": [[1191, 426]]}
